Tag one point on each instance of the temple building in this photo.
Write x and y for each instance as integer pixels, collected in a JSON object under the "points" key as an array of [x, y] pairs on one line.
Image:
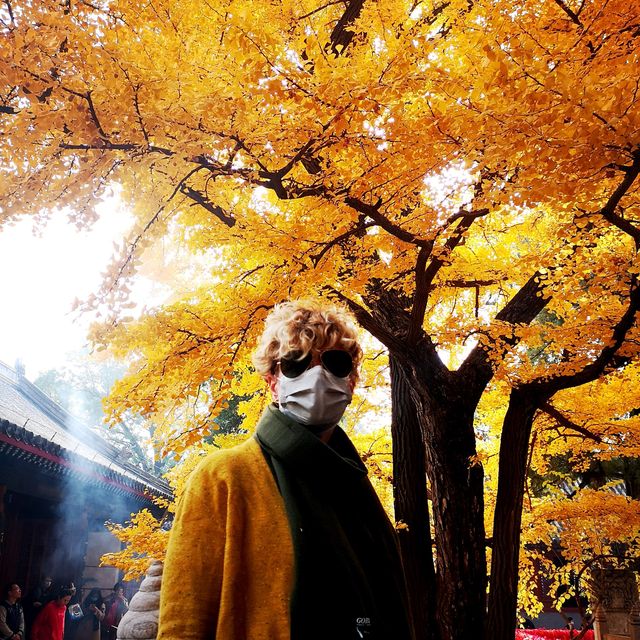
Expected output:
{"points": [[59, 482]]}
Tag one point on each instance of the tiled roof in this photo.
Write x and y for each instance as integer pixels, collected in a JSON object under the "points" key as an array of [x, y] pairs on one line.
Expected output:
{"points": [[40, 431]]}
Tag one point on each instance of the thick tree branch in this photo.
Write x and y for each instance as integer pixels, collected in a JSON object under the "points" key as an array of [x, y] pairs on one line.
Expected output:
{"points": [[574, 17], [368, 322], [293, 191], [94, 116], [589, 373], [562, 420], [373, 212], [420, 296], [525, 305], [341, 36], [7, 4], [357, 230], [115, 146], [9, 110], [468, 284], [298, 157], [608, 212], [136, 104], [389, 311], [437, 262], [467, 215], [201, 199]]}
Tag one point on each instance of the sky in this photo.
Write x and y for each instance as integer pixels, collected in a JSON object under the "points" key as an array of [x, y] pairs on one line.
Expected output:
{"points": [[40, 277]]}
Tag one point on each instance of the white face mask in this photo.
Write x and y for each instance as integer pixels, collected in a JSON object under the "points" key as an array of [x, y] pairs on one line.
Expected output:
{"points": [[315, 397]]}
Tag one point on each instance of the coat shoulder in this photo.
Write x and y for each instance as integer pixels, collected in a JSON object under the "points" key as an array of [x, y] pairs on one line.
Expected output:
{"points": [[237, 456], [237, 464]]}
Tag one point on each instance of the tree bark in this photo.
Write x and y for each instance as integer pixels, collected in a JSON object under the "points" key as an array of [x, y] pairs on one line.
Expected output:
{"points": [[446, 409], [341, 36], [445, 402], [411, 505], [514, 450]]}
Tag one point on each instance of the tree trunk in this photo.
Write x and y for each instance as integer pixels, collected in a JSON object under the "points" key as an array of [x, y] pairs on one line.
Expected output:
{"points": [[514, 449], [411, 505], [445, 403], [446, 410]]}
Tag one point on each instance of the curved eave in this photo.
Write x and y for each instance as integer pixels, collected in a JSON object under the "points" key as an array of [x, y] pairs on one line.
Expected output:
{"points": [[20, 443]]}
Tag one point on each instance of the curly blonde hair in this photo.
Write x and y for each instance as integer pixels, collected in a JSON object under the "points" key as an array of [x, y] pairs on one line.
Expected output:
{"points": [[306, 326]]}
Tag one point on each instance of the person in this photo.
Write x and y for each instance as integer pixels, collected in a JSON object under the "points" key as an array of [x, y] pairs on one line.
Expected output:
{"points": [[283, 537], [74, 612], [11, 614], [116, 605], [36, 600], [570, 626], [94, 610], [49, 625]]}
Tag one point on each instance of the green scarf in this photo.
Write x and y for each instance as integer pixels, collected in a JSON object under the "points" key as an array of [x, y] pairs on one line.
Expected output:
{"points": [[348, 580]]}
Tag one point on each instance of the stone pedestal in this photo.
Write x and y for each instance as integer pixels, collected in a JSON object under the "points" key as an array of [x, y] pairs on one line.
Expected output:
{"points": [[141, 621], [634, 621], [600, 627], [616, 595]]}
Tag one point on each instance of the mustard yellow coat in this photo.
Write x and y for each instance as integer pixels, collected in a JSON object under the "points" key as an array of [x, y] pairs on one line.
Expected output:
{"points": [[229, 566]]}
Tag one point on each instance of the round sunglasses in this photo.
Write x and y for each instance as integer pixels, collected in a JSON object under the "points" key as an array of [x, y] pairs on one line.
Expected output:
{"points": [[339, 363]]}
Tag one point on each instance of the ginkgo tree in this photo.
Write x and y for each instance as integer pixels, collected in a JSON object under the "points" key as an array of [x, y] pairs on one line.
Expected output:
{"points": [[461, 174]]}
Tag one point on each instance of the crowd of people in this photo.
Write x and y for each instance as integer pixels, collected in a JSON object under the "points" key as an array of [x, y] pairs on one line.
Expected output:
{"points": [[58, 612]]}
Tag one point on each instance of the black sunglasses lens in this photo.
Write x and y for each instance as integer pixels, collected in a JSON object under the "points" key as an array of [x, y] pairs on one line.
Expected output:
{"points": [[340, 363], [292, 367]]}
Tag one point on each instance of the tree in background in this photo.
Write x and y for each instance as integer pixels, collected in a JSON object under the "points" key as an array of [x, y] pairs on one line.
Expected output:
{"points": [[462, 175], [81, 387], [584, 490]]}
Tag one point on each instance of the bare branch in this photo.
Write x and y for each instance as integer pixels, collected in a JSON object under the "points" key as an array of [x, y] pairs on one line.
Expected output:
{"points": [[197, 338], [468, 284], [115, 146], [468, 215], [136, 104], [10, 10]]}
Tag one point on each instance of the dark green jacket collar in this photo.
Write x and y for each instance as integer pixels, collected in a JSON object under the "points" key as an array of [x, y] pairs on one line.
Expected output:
{"points": [[300, 450]]}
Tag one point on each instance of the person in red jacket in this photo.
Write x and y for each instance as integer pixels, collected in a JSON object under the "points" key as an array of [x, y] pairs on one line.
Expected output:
{"points": [[49, 625]]}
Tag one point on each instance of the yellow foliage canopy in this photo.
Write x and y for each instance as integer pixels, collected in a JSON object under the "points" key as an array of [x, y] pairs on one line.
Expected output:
{"points": [[449, 153]]}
